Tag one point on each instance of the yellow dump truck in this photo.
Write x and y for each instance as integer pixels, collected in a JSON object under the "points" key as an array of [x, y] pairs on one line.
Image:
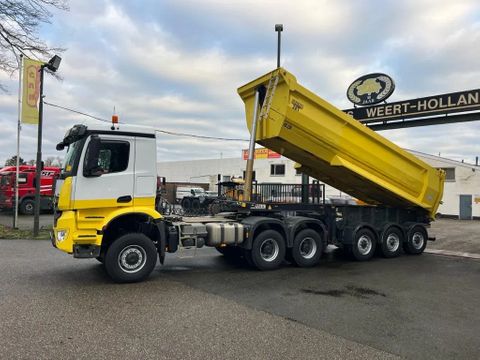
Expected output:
{"points": [[331, 146], [105, 200]]}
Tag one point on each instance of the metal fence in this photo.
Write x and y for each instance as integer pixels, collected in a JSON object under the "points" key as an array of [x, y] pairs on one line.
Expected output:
{"points": [[289, 193]]}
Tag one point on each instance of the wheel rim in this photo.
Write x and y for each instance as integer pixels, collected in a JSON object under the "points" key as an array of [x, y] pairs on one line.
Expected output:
{"points": [[392, 242], [364, 245], [418, 240], [28, 207], [132, 259], [307, 248], [269, 250]]}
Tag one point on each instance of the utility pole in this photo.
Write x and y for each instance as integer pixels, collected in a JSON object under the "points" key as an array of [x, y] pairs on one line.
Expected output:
{"points": [[52, 65], [38, 163]]}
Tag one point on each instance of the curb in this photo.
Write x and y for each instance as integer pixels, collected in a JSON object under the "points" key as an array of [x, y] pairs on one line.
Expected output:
{"points": [[453, 253]]}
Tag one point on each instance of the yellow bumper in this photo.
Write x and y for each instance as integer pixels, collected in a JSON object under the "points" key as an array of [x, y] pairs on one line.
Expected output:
{"points": [[67, 233]]}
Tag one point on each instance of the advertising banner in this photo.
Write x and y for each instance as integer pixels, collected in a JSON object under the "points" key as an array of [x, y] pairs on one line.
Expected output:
{"points": [[31, 91], [261, 153]]}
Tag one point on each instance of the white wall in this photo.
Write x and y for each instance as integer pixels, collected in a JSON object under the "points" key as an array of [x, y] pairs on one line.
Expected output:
{"points": [[467, 182]]}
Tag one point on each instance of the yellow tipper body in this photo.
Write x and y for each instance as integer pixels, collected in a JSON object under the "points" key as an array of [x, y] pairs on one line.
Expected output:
{"points": [[333, 147]]}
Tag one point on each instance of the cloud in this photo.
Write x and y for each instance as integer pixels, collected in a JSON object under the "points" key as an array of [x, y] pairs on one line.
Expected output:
{"points": [[176, 65]]}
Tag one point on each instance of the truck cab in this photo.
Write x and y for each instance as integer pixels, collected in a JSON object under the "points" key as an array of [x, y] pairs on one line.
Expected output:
{"points": [[108, 184], [26, 188]]}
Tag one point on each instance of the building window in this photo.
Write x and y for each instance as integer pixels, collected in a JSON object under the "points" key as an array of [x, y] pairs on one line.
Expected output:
{"points": [[277, 169], [449, 173]]}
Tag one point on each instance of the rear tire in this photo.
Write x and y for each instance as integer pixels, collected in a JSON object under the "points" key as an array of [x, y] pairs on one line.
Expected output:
{"points": [[364, 244], [131, 258], [307, 248], [391, 243], [27, 207], [416, 240], [268, 250]]}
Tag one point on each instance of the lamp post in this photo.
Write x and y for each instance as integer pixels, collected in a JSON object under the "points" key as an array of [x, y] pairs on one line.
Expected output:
{"points": [[52, 65], [279, 29]]}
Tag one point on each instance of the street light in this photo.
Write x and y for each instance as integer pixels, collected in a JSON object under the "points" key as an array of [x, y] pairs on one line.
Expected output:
{"points": [[52, 65], [278, 29]]}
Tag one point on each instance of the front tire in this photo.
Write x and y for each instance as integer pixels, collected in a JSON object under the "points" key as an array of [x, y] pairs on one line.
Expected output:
{"points": [[27, 207], [307, 248], [268, 250], [131, 258]]}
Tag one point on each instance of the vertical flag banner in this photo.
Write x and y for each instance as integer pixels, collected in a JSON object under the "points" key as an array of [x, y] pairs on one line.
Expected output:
{"points": [[31, 91]]}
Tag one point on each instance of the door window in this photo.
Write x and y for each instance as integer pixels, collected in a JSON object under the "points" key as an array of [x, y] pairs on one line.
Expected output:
{"points": [[113, 156]]}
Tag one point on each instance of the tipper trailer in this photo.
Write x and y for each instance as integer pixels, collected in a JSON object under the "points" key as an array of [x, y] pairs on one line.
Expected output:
{"points": [[106, 195]]}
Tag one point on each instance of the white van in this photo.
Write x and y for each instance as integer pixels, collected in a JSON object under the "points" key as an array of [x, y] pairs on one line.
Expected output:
{"points": [[183, 191]]}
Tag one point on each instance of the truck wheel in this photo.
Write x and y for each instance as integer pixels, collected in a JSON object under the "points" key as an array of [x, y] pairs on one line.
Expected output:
{"points": [[130, 258], [392, 239], [307, 248], [186, 204], [416, 240], [195, 204], [363, 246], [27, 207], [268, 250]]}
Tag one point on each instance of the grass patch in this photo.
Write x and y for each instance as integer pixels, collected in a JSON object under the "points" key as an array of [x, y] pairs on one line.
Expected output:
{"points": [[7, 232]]}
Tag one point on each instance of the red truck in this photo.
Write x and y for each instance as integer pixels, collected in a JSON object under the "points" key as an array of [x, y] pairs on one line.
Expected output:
{"points": [[26, 188]]}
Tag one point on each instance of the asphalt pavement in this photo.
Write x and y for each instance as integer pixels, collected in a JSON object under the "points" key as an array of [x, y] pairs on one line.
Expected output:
{"points": [[54, 306]]}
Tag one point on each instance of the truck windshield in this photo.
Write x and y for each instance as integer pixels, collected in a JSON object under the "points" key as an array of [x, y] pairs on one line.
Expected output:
{"points": [[4, 179], [71, 158]]}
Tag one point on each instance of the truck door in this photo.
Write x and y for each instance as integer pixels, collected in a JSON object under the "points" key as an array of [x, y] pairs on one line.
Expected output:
{"points": [[113, 184]]}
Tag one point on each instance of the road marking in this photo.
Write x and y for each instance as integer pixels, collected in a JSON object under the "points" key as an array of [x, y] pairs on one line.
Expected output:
{"points": [[453, 253]]}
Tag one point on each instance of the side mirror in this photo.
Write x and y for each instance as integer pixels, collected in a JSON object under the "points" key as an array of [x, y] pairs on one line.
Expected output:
{"points": [[91, 167]]}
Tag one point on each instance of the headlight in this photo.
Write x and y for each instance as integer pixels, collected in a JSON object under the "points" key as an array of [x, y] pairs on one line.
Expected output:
{"points": [[61, 235]]}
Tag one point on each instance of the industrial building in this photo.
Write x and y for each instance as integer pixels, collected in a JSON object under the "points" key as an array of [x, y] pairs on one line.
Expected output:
{"points": [[461, 198]]}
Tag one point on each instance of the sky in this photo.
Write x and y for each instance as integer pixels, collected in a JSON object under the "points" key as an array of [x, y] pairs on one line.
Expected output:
{"points": [[176, 65]]}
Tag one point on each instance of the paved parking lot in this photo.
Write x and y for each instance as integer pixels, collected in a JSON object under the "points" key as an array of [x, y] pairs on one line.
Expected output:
{"points": [[54, 306]]}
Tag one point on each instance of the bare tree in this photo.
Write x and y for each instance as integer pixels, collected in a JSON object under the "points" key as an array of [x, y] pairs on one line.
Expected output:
{"points": [[49, 161], [19, 23], [13, 161]]}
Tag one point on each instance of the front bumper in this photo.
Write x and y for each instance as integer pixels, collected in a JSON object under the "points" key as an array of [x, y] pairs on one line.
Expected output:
{"points": [[75, 238]]}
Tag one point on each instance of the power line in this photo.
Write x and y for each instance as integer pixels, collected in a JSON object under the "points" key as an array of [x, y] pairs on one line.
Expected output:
{"points": [[167, 132], [76, 111]]}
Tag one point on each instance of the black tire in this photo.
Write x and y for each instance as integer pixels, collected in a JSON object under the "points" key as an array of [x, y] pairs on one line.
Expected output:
{"points": [[307, 248], [268, 250], [195, 204], [391, 242], [364, 244], [416, 240], [100, 259], [214, 208], [131, 258], [186, 204], [27, 207]]}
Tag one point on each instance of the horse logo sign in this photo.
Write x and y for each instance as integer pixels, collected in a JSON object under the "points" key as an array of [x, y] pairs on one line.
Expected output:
{"points": [[370, 89]]}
